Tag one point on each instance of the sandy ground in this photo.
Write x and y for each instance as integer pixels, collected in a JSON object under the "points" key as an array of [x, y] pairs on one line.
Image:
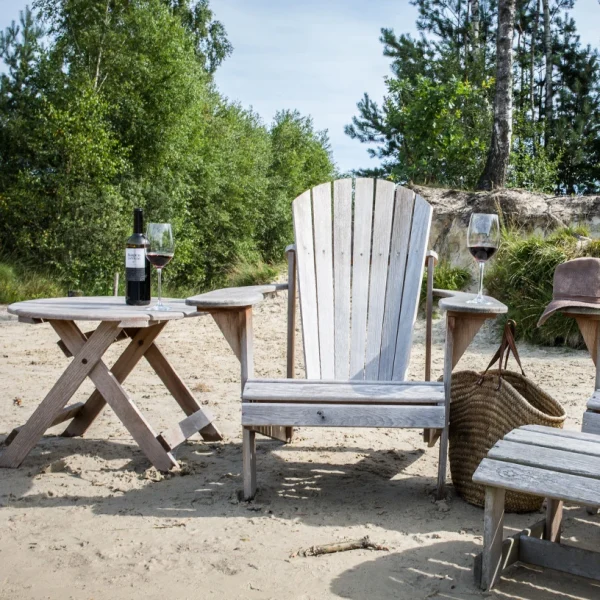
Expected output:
{"points": [[86, 518]]}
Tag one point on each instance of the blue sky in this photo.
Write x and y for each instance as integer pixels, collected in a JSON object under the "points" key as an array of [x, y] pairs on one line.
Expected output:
{"points": [[317, 56]]}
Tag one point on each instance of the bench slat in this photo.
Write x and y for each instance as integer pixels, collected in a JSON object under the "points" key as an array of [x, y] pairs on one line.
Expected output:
{"points": [[330, 415], [362, 393], [539, 482], [566, 433], [532, 438], [547, 458], [594, 401], [591, 422]]}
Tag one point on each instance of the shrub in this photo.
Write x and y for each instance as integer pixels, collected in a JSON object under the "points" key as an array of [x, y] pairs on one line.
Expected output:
{"points": [[17, 283], [253, 273], [447, 277], [522, 276]]}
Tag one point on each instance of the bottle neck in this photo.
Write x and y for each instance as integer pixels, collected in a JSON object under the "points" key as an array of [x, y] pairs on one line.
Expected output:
{"points": [[138, 221]]}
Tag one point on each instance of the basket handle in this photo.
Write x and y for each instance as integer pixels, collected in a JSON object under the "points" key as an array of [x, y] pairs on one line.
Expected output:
{"points": [[507, 345]]}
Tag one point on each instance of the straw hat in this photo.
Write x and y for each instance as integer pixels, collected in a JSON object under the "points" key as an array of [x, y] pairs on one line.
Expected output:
{"points": [[576, 284]]}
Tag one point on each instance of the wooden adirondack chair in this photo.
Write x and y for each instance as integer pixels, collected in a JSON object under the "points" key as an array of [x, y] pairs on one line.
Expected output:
{"points": [[359, 256]]}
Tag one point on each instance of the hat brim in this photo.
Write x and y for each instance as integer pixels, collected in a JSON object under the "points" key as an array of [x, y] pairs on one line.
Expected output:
{"points": [[556, 305]]}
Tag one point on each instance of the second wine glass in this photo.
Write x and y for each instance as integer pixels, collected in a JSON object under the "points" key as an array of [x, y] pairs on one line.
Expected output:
{"points": [[483, 238], [160, 251]]}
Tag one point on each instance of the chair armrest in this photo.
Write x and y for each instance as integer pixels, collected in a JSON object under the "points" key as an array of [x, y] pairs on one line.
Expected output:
{"points": [[457, 302], [234, 297]]}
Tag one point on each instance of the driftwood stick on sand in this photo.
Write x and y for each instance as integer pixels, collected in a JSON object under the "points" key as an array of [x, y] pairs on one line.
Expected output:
{"points": [[339, 547]]}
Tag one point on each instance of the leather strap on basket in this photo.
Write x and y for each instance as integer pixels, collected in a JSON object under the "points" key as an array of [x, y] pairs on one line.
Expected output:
{"points": [[507, 345]]}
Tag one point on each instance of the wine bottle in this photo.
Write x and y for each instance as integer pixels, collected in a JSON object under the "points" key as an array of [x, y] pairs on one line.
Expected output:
{"points": [[137, 266]]}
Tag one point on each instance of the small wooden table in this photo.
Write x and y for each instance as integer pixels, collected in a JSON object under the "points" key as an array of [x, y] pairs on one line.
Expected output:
{"points": [[118, 321]]}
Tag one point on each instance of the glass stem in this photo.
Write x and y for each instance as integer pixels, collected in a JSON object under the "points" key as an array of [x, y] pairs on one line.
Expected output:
{"points": [[159, 287], [480, 292]]}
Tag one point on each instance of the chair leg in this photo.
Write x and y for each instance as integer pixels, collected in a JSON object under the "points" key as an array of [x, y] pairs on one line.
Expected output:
{"points": [[493, 533], [554, 513], [249, 463], [442, 465]]}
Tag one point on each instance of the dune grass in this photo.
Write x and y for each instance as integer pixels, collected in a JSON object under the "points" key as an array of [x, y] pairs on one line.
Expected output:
{"points": [[17, 282]]}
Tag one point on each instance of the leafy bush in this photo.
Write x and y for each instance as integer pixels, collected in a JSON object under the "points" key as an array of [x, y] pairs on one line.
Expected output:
{"points": [[17, 283], [522, 276], [253, 273], [447, 277]]}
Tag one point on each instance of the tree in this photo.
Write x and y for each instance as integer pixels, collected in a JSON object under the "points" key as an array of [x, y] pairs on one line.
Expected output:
{"points": [[496, 167]]}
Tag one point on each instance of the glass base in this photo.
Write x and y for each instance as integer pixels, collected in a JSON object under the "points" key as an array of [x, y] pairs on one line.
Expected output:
{"points": [[479, 300], [159, 307]]}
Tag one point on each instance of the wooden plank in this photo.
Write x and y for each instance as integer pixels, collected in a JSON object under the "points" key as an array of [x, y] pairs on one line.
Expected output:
{"points": [[510, 549], [370, 392], [591, 422], [122, 336], [458, 302], [589, 331], [321, 197], [141, 340], [303, 231], [539, 482], [228, 321], [554, 514], [419, 237], [443, 456], [566, 559], [493, 533], [403, 210], [329, 415], [593, 402], [117, 398], [547, 458], [361, 260], [249, 463], [567, 433], [380, 254], [291, 320], [67, 413], [185, 429], [234, 297], [180, 391], [544, 440], [86, 356], [429, 316], [99, 308], [466, 329], [342, 259]]}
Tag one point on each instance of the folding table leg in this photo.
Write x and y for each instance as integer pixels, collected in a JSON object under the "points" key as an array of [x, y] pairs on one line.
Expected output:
{"points": [[86, 356], [118, 400], [179, 390], [142, 339]]}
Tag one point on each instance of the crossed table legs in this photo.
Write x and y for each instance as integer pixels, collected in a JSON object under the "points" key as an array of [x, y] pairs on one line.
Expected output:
{"points": [[87, 361]]}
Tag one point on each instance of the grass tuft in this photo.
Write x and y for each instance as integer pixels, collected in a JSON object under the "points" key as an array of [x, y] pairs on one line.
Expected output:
{"points": [[20, 283], [253, 273]]}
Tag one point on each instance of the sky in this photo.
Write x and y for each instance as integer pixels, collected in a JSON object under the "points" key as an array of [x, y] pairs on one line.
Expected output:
{"points": [[316, 56]]}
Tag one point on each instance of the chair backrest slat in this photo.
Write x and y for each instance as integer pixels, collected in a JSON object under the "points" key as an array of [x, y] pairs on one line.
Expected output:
{"points": [[415, 266], [361, 260], [380, 254], [303, 230], [360, 256], [404, 203], [321, 197], [342, 259]]}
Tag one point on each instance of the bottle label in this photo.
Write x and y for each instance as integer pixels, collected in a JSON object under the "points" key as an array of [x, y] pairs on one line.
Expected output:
{"points": [[135, 264]]}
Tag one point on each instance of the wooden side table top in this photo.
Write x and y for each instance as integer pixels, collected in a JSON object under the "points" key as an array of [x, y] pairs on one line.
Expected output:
{"points": [[99, 308]]}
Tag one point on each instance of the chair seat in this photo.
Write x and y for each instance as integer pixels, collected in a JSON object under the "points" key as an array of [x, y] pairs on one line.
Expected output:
{"points": [[346, 392]]}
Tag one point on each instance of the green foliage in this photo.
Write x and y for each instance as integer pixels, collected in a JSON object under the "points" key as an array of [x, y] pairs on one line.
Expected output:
{"points": [[447, 277], [19, 283], [119, 110], [246, 272], [522, 276]]}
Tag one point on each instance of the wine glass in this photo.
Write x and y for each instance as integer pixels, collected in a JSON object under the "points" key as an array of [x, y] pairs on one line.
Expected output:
{"points": [[159, 251], [483, 239]]}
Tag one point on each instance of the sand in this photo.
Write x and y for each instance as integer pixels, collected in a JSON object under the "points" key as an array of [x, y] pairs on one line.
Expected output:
{"points": [[87, 518]]}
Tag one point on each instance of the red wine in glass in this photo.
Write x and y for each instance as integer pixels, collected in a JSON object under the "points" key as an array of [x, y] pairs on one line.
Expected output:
{"points": [[480, 253], [159, 259]]}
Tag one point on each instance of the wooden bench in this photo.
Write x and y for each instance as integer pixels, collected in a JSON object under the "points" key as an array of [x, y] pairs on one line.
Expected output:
{"points": [[556, 464]]}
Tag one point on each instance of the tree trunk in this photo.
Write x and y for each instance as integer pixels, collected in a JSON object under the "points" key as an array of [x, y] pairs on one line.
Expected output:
{"points": [[475, 20], [496, 167], [532, 63], [548, 50]]}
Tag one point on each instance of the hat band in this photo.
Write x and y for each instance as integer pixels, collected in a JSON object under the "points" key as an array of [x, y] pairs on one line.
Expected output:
{"points": [[570, 298]]}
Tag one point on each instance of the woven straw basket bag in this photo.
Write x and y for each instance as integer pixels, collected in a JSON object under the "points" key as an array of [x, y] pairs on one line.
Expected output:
{"points": [[484, 408]]}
